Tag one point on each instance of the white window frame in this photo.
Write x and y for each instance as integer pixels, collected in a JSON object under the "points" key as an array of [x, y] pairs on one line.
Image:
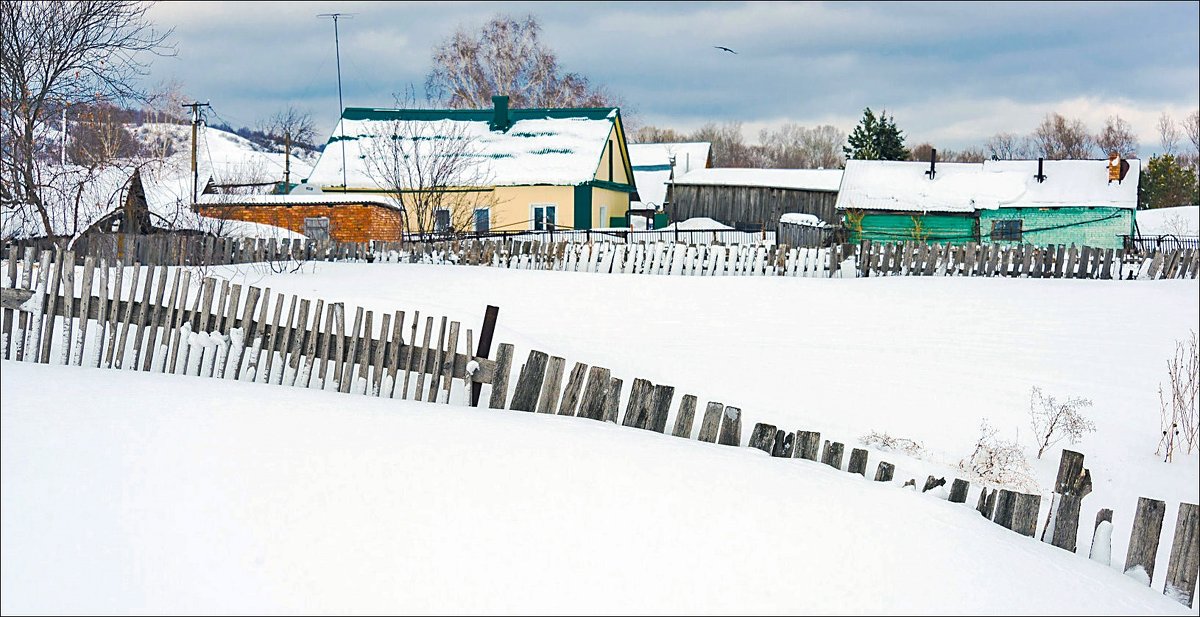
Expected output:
{"points": [[603, 217], [533, 215]]}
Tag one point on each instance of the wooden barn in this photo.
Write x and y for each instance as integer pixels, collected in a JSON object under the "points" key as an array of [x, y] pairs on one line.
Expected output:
{"points": [[754, 199]]}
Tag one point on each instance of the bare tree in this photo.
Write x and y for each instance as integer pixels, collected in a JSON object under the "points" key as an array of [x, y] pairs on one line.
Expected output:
{"points": [[1054, 421], [1191, 126], [1060, 138], [506, 57], [792, 146], [290, 123], [1007, 146], [57, 53], [1168, 134], [1117, 136], [729, 147], [1179, 405], [429, 168], [654, 135]]}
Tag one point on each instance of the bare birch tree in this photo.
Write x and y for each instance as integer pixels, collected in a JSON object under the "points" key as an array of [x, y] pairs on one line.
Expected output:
{"points": [[54, 54], [506, 57], [1168, 134], [1008, 146], [1060, 138], [1117, 136], [434, 172]]}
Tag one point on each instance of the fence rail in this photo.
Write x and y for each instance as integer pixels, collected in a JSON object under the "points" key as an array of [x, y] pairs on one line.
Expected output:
{"points": [[218, 330], [1160, 242], [669, 258]]}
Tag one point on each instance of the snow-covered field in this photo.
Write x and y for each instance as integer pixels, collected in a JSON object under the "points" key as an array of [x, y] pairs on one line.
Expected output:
{"points": [[1179, 221], [139, 493], [303, 501]]}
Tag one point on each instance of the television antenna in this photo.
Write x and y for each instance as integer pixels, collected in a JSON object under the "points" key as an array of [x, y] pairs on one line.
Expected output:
{"points": [[341, 106]]}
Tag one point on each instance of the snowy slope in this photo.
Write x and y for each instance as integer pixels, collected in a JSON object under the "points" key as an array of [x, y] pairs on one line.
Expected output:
{"points": [[165, 494], [926, 358], [1179, 221]]}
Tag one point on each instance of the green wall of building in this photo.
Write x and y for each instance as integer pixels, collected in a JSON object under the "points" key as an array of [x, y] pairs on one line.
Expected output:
{"points": [[1097, 227], [900, 227]]}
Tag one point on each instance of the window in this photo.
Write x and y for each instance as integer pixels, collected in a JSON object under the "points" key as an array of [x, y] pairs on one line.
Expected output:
{"points": [[603, 216], [483, 220], [441, 220], [543, 217], [1008, 229], [316, 227]]}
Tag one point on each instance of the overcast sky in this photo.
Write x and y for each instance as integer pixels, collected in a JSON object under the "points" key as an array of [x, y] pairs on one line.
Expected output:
{"points": [[951, 73]]}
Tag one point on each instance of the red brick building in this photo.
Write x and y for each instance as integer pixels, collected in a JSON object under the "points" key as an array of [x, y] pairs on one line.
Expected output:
{"points": [[344, 218]]}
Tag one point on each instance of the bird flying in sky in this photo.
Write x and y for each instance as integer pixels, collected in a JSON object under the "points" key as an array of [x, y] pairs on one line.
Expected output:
{"points": [[725, 48]]}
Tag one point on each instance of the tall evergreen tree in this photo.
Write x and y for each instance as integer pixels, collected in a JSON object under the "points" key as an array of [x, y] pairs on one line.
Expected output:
{"points": [[876, 139], [1165, 183]]}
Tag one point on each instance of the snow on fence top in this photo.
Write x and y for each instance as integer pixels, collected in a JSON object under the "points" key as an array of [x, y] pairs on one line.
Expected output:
{"points": [[967, 187], [798, 218], [826, 180], [542, 146]]}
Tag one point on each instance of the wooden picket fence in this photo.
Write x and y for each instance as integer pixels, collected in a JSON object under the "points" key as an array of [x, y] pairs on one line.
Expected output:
{"points": [[212, 328], [216, 329], [839, 261]]}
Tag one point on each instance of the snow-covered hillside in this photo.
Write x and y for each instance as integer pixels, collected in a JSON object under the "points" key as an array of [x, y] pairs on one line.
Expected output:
{"points": [[168, 494], [80, 195]]}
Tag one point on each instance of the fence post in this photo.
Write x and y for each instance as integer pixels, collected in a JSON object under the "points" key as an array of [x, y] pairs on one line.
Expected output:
{"points": [[1185, 555], [485, 346], [1143, 540]]}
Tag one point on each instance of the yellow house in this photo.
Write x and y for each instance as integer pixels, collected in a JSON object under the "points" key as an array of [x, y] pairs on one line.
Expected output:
{"points": [[496, 169]]}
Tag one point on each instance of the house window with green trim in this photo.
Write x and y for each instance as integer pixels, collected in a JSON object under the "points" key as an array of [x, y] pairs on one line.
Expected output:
{"points": [[1007, 229]]}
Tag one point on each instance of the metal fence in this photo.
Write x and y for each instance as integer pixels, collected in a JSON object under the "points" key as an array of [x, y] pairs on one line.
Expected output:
{"points": [[686, 236], [1166, 242]]}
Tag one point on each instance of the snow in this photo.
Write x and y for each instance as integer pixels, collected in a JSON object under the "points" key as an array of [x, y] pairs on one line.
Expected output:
{"points": [[652, 167], [827, 180], [848, 356], [1178, 221], [699, 222], [297, 199], [797, 218], [168, 184], [967, 187], [169, 494], [537, 151]]}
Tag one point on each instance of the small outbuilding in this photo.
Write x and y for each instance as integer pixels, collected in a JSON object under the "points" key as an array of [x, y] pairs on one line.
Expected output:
{"points": [[1033, 202], [754, 199]]}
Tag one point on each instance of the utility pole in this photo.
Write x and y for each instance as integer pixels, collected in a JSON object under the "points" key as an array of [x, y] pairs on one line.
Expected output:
{"points": [[341, 106], [63, 149], [196, 119], [287, 162]]}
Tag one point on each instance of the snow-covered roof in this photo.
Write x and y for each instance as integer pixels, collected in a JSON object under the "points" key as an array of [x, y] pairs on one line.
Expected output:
{"points": [[967, 187], [319, 199], [798, 218], [542, 146], [801, 179], [1179, 221], [652, 166]]}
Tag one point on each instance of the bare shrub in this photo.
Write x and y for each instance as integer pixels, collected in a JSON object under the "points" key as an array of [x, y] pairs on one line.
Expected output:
{"points": [[884, 441], [997, 461], [1178, 403], [1054, 421]]}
